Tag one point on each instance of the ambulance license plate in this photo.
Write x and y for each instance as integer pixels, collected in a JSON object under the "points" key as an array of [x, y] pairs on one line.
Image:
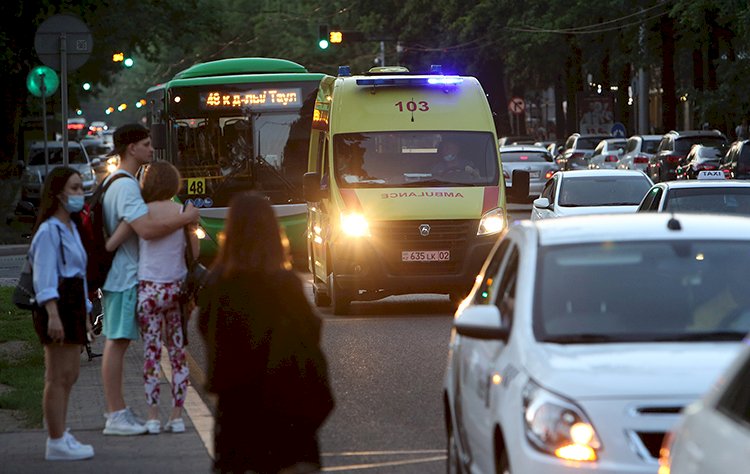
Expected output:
{"points": [[425, 255]]}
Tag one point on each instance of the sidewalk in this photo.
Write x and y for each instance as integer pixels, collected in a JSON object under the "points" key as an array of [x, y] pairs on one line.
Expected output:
{"points": [[23, 451]]}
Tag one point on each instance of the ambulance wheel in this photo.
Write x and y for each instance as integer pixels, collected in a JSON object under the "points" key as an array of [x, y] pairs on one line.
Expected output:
{"points": [[339, 298], [320, 298]]}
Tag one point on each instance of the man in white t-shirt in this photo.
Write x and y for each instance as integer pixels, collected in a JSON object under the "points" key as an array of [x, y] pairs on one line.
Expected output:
{"points": [[123, 201]]}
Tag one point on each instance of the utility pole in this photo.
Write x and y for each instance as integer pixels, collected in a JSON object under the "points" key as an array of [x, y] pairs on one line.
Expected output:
{"points": [[643, 89]]}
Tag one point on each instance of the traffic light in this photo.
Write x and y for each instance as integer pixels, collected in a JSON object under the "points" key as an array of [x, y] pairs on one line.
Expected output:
{"points": [[118, 57], [335, 37], [323, 36], [128, 62]]}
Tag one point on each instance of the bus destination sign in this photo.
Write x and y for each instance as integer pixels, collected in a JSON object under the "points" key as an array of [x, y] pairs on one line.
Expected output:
{"points": [[252, 99]]}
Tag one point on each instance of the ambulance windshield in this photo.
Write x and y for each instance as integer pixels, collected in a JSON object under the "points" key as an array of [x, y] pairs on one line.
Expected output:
{"points": [[415, 159]]}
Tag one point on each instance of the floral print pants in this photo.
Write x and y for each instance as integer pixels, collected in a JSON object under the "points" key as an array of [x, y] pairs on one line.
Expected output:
{"points": [[159, 314]]}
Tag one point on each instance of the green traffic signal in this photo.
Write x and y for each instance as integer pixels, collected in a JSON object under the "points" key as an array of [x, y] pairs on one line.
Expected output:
{"points": [[128, 62], [323, 44], [42, 75]]}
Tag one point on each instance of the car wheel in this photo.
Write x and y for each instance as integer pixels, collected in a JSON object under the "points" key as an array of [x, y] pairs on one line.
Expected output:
{"points": [[453, 466], [320, 298], [339, 298], [502, 464]]}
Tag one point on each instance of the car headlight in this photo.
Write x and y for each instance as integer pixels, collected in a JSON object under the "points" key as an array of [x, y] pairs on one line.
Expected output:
{"points": [[355, 225], [558, 426], [492, 222], [88, 175]]}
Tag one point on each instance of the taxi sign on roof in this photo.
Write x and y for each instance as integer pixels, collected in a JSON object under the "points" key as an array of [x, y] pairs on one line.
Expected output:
{"points": [[711, 174]]}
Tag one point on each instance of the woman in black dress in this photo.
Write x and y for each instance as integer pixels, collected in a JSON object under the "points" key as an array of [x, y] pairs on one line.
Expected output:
{"points": [[263, 346]]}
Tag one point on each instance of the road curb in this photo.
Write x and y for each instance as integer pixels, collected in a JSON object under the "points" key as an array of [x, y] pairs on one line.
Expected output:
{"points": [[18, 249]]}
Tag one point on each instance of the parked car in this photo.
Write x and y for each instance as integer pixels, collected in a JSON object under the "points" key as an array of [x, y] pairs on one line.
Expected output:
{"points": [[583, 339], [700, 158], [570, 193], [534, 159], [674, 147], [607, 154], [34, 170], [714, 196], [98, 150], [577, 149], [736, 161], [714, 433], [638, 151]]}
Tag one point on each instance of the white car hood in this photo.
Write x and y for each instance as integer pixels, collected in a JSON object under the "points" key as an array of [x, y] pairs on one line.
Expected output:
{"points": [[630, 370], [562, 211]]}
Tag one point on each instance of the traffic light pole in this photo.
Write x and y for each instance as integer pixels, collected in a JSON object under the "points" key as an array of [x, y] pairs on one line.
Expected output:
{"points": [[44, 123]]}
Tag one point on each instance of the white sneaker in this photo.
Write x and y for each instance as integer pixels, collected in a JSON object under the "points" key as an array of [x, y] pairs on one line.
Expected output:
{"points": [[153, 426], [175, 426], [121, 423], [67, 448]]}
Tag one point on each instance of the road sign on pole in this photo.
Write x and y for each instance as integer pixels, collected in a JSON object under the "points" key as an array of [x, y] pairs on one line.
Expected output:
{"points": [[516, 105], [618, 130], [63, 42]]}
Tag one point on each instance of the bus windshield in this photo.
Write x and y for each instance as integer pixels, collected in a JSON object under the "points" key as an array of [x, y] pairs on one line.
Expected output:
{"points": [[393, 159], [220, 152]]}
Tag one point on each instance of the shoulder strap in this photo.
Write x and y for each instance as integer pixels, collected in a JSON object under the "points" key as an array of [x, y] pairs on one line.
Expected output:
{"points": [[112, 180]]}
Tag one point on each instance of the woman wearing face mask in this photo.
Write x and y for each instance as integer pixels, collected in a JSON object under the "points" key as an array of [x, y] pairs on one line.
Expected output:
{"points": [[58, 263]]}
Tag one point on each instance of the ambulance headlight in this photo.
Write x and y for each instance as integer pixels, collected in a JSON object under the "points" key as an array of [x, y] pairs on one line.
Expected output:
{"points": [[492, 222], [355, 225]]}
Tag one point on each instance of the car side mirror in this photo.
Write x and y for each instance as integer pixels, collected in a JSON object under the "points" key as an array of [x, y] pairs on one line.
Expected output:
{"points": [[311, 187], [481, 322], [541, 203], [96, 162]]}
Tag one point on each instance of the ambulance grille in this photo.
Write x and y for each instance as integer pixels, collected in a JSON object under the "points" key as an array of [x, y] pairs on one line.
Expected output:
{"points": [[393, 237]]}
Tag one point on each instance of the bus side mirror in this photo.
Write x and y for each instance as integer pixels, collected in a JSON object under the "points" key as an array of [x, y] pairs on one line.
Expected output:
{"points": [[159, 136], [519, 192], [311, 187]]}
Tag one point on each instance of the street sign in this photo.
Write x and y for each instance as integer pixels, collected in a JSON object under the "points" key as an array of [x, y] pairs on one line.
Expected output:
{"points": [[618, 130], [42, 77], [516, 105], [63, 33]]}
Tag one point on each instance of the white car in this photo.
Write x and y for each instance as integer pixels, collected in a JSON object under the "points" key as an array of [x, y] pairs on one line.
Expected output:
{"points": [[714, 434], [571, 193], [703, 195], [584, 338], [638, 151], [607, 154]]}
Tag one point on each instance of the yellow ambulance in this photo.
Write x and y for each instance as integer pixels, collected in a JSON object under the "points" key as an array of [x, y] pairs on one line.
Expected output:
{"points": [[404, 186]]}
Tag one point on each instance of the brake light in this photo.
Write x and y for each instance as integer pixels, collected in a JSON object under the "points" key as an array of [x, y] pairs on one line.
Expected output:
{"points": [[506, 175], [674, 158], [727, 174], [610, 158], [706, 167], [640, 159], [550, 174]]}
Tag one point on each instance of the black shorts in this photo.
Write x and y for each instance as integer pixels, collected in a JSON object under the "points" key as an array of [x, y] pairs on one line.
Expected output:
{"points": [[71, 306]]}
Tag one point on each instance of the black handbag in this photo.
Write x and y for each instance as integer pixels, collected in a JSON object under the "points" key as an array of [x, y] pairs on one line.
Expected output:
{"points": [[24, 296], [196, 277]]}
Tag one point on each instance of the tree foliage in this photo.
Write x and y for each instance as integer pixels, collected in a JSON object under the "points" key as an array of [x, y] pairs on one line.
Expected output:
{"points": [[512, 46]]}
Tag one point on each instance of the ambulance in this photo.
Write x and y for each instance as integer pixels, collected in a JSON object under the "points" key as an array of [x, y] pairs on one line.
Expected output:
{"points": [[404, 187]]}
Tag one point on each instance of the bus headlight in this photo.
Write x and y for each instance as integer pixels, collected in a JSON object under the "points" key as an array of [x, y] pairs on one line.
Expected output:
{"points": [[492, 222], [355, 225], [200, 233], [558, 426]]}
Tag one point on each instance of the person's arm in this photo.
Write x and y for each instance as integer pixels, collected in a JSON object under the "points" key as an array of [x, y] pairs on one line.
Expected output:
{"points": [[148, 227], [119, 236]]}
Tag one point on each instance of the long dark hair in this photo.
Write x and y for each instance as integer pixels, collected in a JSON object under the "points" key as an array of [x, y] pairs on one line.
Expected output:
{"points": [[253, 240], [54, 184]]}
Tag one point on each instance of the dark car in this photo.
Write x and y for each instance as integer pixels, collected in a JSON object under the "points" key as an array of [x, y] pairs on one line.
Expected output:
{"points": [[674, 147], [700, 158], [578, 149], [736, 162]]}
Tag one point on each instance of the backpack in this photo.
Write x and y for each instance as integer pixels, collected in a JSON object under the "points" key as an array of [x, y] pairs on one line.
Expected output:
{"points": [[94, 236]]}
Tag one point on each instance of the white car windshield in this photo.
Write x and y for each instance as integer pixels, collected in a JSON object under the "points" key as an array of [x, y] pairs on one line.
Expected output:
{"points": [[711, 200], [643, 291]]}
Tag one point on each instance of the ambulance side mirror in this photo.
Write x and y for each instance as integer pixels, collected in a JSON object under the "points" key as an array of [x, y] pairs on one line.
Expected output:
{"points": [[312, 187], [519, 192]]}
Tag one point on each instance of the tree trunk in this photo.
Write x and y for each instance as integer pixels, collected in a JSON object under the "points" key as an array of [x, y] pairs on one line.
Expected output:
{"points": [[669, 94]]}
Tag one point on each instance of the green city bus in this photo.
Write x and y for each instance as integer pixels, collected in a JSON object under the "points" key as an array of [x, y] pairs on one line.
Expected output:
{"points": [[233, 125]]}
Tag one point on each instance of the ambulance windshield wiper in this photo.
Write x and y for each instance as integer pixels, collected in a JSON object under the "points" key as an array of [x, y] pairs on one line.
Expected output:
{"points": [[436, 182]]}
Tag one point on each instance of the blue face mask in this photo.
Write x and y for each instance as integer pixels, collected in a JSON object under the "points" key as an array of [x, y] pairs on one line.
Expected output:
{"points": [[75, 203]]}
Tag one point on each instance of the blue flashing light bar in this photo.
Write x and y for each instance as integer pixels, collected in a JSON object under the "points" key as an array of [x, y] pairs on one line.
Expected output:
{"points": [[411, 81]]}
